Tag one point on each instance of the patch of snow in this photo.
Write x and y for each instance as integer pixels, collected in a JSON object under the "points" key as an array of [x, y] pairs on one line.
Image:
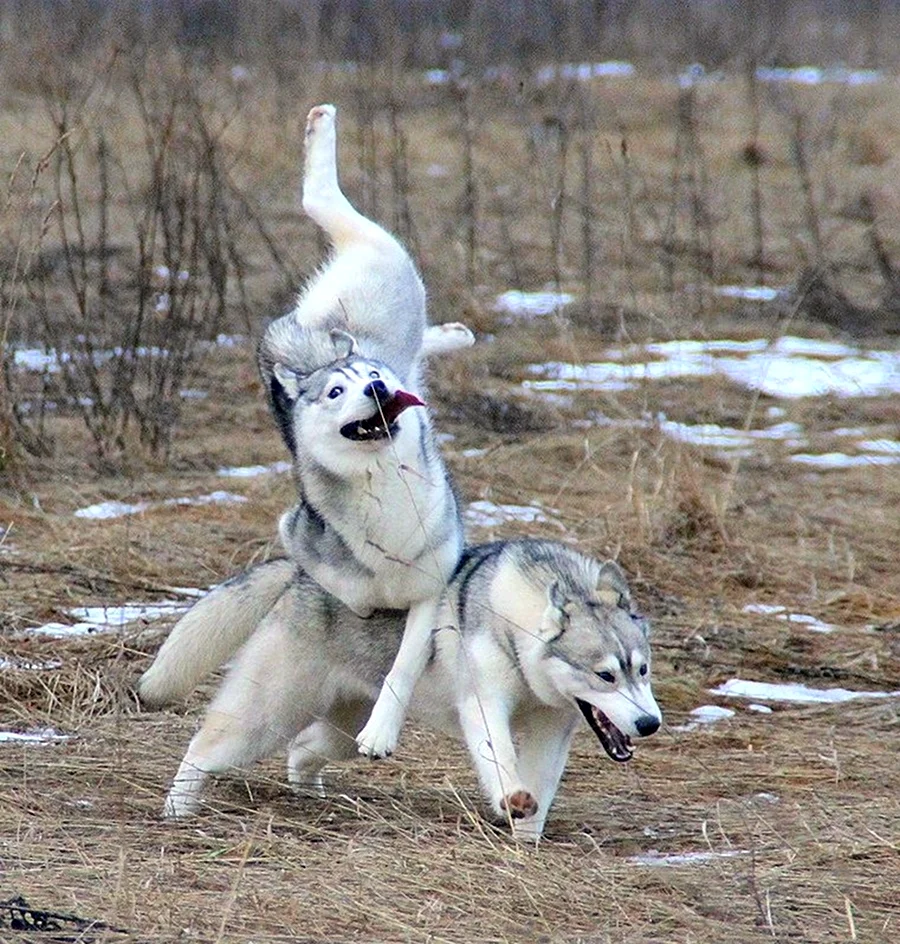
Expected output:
{"points": [[251, 471], [705, 714], [95, 620], [792, 692], [816, 75], [116, 509], [23, 665], [654, 858], [725, 437], [437, 76], [789, 368], [486, 514], [528, 304], [889, 446], [765, 608], [840, 460], [37, 736], [750, 293], [584, 71], [780, 612]]}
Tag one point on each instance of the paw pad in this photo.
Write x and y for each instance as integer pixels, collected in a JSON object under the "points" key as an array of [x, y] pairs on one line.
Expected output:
{"points": [[520, 804]]}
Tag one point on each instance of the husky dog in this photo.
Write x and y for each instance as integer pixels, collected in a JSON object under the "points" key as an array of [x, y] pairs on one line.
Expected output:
{"points": [[377, 522], [532, 636]]}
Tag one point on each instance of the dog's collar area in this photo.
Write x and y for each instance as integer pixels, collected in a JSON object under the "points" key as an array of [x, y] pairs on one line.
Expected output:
{"points": [[614, 742], [382, 423]]}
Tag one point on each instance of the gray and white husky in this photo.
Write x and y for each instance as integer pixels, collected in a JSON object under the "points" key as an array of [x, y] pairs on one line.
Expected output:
{"points": [[532, 636], [377, 522]]}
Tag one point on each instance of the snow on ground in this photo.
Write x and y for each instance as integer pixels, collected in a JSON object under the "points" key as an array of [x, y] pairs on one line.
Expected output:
{"points": [[95, 620], [117, 509], [528, 304], [654, 858], [37, 736], [780, 612], [705, 714], [791, 692], [487, 514], [251, 471], [789, 368]]}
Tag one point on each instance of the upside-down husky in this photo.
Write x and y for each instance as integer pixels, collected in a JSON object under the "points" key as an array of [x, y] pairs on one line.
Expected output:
{"points": [[377, 522], [532, 635]]}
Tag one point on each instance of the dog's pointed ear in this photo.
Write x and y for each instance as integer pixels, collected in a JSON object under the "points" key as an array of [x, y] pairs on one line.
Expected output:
{"points": [[556, 615], [344, 343], [612, 587], [288, 380]]}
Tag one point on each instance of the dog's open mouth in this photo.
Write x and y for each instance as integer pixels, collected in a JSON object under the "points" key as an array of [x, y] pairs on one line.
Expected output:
{"points": [[615, 743], [382, 423]]}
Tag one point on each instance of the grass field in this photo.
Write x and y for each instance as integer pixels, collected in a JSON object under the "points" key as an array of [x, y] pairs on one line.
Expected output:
{"points": [[642, 198]]}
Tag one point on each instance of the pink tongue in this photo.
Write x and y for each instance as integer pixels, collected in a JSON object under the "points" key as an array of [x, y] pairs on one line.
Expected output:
{"points": [[398, 403], [405, 399]]}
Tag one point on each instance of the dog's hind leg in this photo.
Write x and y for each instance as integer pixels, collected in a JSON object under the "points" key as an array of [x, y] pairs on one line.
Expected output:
{"points": [[323, 200], [325, 741], [258, 710], [544, 739]]}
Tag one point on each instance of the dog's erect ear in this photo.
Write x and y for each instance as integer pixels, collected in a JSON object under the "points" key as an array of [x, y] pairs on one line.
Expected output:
{"points": [[612, 587], [288, 380], [556, 616], [284, 390], [344, 343]]}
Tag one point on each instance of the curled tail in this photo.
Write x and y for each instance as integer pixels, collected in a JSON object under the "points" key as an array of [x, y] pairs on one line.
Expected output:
{"points": [[212, 631]]}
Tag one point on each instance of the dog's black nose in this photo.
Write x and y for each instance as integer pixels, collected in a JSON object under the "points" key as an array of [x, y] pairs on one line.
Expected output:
{"points": [[647, 725], [377, 390]]}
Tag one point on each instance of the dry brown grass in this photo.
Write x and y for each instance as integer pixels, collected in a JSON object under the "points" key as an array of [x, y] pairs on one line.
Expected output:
{"points": [[798, 810]]}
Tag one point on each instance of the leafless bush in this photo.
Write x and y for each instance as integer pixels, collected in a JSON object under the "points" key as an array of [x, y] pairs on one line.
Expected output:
{"points": [[144, 257]]}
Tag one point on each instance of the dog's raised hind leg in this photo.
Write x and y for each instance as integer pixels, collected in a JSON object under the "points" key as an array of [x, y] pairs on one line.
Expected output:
{"points": [[323, 200]]}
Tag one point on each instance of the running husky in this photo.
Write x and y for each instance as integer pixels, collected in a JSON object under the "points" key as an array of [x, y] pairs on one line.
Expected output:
{"points": [[532, 635], [377, 523]]}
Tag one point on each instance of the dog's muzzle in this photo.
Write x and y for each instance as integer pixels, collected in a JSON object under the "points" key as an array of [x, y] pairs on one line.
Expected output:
{"points": [[382, 423]]}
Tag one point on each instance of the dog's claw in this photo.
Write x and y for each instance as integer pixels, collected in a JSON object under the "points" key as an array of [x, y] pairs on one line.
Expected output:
{"points": [[376, 743]]}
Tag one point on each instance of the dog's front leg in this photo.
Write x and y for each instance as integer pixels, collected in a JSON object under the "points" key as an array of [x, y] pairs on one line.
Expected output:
{"points": [[485, 722], [545, 736], [382, 731]]}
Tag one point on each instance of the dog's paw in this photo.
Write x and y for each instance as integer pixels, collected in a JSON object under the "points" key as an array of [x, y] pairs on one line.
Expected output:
{"points": [[320, 117], [446, 337], [377, 741], [375, 746], [520, 804], [179, 806]]}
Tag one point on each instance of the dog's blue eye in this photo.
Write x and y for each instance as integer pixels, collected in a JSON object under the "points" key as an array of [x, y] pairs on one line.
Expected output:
{"points": [[606, 677], [335, 392], [374, 375]]}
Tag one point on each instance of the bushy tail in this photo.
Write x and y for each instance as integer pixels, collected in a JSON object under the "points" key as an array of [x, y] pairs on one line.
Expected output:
{"points": [[212, 631]]}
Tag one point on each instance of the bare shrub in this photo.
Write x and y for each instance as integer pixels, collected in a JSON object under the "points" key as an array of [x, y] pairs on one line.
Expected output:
{"points": [[145, 258]]}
